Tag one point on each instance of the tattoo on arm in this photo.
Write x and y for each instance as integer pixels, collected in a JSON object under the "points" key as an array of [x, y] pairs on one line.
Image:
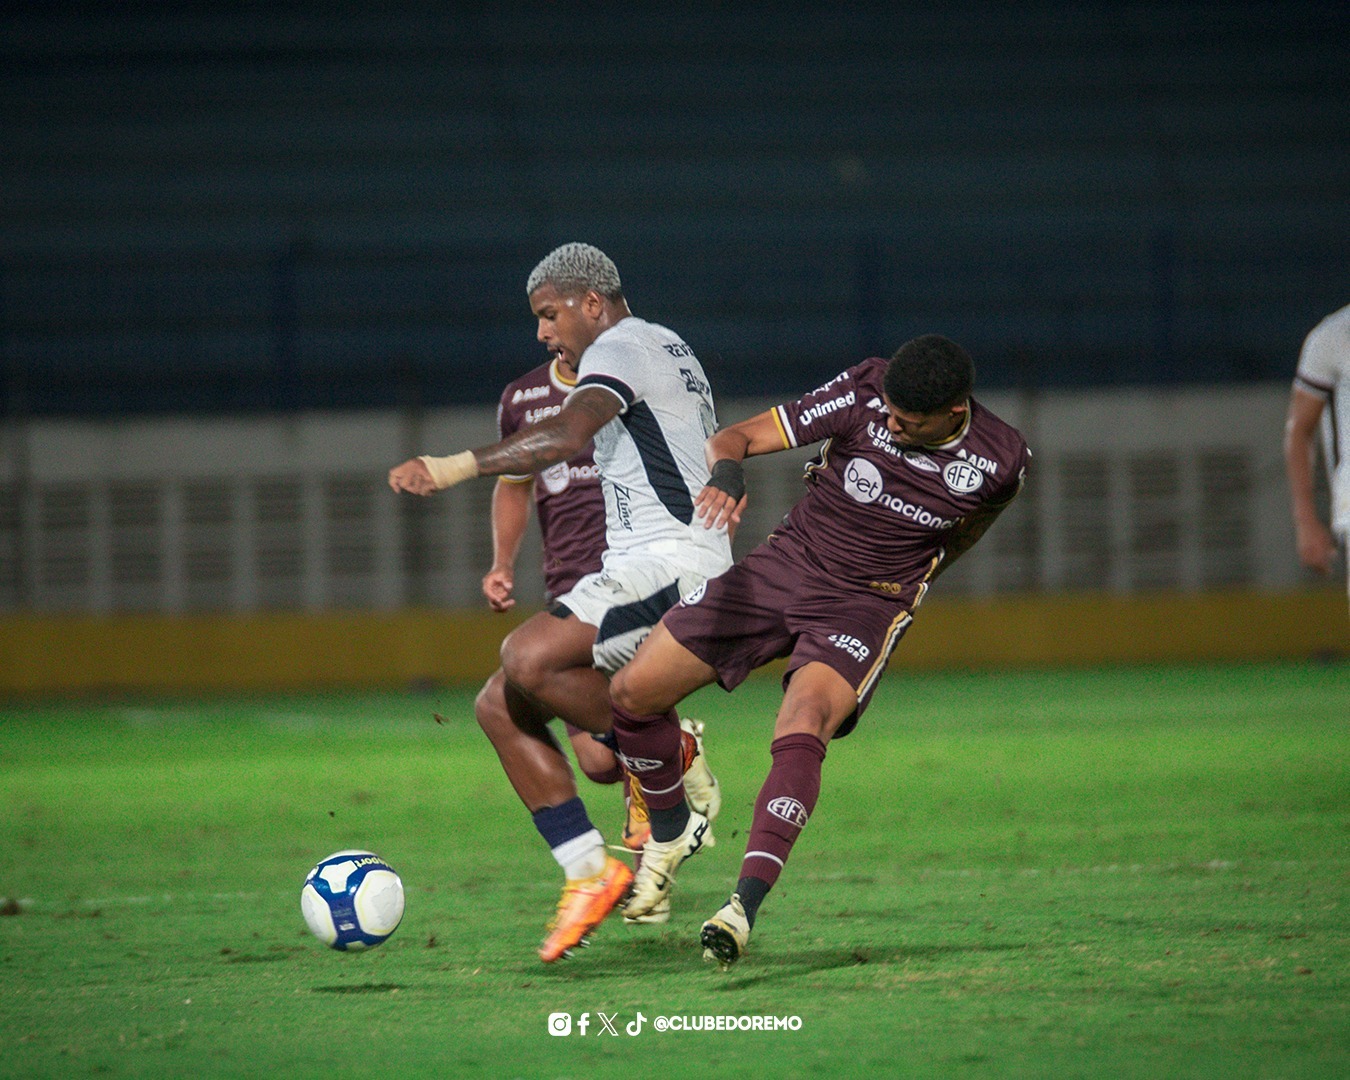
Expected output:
{"points": [[553, 440]]}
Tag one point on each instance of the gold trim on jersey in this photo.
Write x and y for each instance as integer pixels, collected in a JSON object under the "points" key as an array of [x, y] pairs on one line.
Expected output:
{"points": [[813, 467], [784, 432], [955, 437], [561, 381], [897, 628]]}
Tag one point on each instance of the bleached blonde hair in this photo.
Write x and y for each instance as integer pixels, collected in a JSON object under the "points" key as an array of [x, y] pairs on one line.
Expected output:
{"points": [[576, 268]]}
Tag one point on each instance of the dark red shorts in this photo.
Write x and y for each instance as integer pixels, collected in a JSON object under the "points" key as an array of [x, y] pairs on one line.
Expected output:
{"points": [[772, 604]]}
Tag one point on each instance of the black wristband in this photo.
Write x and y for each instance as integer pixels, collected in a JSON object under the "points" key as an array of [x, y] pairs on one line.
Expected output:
{"points": [[728, 475]]}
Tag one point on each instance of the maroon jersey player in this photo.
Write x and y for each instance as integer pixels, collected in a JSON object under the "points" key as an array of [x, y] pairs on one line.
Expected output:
{"points": [[571, 508], [567, 496], [912, 472]]}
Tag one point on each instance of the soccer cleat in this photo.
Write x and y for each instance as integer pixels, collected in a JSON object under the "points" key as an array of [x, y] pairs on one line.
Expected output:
{"points": [[656, 876], [657, 915], [700, 785], [726, 934], [585, 903]]}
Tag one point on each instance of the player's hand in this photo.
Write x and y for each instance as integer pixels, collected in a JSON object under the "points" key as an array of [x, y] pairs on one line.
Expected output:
{"points": [[1316, 547], [498, 584], [718, 509], [414, 477]]}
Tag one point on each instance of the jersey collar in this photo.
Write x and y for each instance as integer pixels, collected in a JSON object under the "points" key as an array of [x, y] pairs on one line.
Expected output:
{"points": [[952, 441], [561, 381]]}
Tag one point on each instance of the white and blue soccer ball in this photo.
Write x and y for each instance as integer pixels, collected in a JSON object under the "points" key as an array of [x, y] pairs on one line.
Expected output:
{"points": [[352, 900]]}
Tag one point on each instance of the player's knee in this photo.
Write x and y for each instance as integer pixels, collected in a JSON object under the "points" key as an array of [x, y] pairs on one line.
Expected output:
{"points": [[521, 661], [489, 707], [632, 692]]}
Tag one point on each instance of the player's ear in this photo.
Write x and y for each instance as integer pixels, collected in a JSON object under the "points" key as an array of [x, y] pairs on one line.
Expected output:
{"points": [[592, 304]]}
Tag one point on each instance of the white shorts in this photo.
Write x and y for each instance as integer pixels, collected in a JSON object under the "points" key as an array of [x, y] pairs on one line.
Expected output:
{"points": [[626, 598]]}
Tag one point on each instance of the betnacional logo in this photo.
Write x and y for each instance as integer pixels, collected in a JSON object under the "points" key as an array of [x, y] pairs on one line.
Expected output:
{"points": [[555, 478], [862, 481]]}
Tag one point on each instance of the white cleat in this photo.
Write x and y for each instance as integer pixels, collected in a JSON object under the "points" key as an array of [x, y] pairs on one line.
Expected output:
{"points": [[725, 936], [658, 915], [656, 876], [700, 785]]}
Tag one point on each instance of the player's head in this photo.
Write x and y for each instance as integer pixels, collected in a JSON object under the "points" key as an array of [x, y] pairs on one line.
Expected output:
{"points": [[576, 269], [929, 373], [927, 385], [576, 295]]}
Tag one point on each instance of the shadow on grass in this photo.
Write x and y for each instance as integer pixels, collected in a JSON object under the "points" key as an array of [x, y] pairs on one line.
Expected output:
{"points": [[672, 954], [360, 988], [794, 965]]}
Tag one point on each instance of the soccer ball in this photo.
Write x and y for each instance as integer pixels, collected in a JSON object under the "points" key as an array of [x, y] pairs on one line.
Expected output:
{"points": [[352, 900]]}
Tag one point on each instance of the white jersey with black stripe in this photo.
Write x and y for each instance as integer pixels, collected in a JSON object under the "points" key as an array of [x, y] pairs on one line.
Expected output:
{"points": [[1324, 370], [651, 455]]}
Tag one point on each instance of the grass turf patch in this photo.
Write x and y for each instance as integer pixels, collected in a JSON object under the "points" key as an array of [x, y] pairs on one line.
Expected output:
{"points": [[1125, 873]]}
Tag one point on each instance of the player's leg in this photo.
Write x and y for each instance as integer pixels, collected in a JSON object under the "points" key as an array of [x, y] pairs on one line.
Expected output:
{"points": [[548, 658], [519, 732], [817, 701], [595, 882], [645, 692], [595, 756]]}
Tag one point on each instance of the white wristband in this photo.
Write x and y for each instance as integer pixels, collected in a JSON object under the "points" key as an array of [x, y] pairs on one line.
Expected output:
{"points": [[449, 471]]}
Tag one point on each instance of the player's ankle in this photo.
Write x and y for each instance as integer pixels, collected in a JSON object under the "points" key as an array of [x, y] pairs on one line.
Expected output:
{"points": [[669, 823]]}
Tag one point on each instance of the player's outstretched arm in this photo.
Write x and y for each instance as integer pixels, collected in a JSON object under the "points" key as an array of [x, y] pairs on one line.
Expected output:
{"points": [[723, 499], [527, 451]]}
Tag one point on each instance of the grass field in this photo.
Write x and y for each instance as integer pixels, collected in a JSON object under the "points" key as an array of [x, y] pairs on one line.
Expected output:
{"points": [[1134, 873]]}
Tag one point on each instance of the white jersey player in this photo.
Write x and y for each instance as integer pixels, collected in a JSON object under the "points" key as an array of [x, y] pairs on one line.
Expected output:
{"points": [[1320, 398], [644, 399], [651, 467]]}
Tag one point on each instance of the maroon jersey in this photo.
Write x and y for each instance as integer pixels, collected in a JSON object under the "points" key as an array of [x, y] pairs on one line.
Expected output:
{"points": [[876, 514], [567, 496]]}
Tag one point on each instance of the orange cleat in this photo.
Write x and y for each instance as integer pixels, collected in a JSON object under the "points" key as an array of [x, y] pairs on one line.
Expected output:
{"points": [[585, 903]]}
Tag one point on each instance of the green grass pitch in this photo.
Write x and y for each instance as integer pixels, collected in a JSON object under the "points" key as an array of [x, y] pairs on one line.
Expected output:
{"points": [[1124, 873]]}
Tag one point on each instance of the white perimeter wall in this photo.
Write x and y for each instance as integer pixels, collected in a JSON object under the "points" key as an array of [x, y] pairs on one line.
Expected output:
{"points": [[1132, 490]]}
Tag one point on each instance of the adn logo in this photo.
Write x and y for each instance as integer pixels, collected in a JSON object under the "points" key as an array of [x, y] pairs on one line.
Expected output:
{"points": [[789, 810]]}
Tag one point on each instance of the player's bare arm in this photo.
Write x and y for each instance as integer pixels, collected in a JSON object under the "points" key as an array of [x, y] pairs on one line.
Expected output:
{"points": [[723, 498], [553, 440], [1316, 545], [511, 502], [527, 451]]}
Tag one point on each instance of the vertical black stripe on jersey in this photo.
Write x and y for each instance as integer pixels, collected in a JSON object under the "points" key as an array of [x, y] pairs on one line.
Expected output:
{"points": [[658, 462]]}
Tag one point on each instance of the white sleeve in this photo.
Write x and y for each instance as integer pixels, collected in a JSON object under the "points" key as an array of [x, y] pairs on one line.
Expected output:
{"points": [[1325, 357]]}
